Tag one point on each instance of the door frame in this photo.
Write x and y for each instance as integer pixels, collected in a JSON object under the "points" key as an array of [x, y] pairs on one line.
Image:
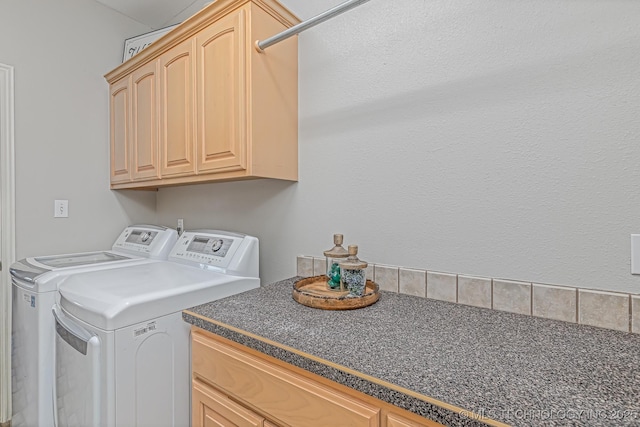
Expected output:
{"points": [[7, 232]]}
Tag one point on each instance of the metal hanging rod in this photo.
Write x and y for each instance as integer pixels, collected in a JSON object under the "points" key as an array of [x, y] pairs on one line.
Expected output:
{"points": [[312, 22]]}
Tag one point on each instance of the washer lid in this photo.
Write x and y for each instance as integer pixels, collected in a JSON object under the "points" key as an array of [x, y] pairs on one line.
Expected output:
{"points": [[75, 260], [39, 274], [114, 299], [136, 242]]}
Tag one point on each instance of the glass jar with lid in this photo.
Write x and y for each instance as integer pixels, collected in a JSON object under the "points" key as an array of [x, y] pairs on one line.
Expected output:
{"points": [[334, 256], [353, 274]]}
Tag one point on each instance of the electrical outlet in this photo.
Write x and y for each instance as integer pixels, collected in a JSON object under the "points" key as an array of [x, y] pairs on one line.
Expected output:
{"points": [[60, 208]]}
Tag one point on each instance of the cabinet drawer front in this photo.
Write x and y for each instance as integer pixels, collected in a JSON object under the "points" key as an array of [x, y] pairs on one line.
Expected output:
{"points": [[282, 394], [211, 408], [395, 420]]}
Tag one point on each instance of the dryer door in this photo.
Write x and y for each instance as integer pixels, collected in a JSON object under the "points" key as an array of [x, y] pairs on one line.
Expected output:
{"points": [[77, 384]]}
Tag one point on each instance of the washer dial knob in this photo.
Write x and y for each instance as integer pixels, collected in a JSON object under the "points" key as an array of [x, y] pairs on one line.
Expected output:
{"points": [[217, 244]]}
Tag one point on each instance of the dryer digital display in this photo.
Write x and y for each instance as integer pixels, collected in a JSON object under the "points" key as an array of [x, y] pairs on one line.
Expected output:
{"points": [[217, 246], [210, 248]]}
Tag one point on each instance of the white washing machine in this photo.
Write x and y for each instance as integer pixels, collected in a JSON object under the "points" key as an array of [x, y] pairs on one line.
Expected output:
{"points": [[122, 348], [35, 282]]}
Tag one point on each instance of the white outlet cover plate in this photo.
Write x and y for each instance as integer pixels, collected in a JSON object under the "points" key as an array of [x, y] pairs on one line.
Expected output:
{"points": [[60, 208]]}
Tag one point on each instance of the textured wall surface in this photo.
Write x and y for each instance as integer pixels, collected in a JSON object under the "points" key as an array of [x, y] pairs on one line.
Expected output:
{"points": [[60, 51], [489, 138]]}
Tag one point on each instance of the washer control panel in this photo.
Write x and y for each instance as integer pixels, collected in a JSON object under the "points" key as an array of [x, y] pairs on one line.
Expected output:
{"points": [[212, 248], [141, 237], [145, 240]]}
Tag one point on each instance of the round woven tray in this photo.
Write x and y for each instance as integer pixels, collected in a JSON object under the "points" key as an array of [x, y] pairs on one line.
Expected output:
{"points": [[313, 292]]}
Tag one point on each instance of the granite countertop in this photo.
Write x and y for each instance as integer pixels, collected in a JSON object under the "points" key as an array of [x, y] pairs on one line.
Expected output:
{"points": [[455, 364]]}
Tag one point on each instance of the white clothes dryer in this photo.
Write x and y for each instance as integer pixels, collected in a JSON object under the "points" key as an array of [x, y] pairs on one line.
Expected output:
{"points": [[122, 348], [35, 283]]}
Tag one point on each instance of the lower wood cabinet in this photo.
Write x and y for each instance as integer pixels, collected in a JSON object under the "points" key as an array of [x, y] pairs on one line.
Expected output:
{"points": [[395, 420], [212, 408], [237, 386]]}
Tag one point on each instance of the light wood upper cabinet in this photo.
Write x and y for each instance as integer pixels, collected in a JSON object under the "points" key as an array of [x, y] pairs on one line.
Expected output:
{"points": [[176, 118], [120, 130], [222, 110], [222, 123], [134, 126], [144, 123]]}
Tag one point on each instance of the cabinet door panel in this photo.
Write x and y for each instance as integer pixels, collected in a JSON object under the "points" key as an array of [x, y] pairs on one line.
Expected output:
{"points": [[395, 420], [222, 103], [280, 393], [176, 120], [213, 409], [119, 127], [145, 123]]}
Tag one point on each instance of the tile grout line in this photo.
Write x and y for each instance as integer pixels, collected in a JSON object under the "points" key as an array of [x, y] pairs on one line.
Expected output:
{"points": [[630, 314], [426, 284], [531, 299], [373, 273], [577, 306], [492, 294]]}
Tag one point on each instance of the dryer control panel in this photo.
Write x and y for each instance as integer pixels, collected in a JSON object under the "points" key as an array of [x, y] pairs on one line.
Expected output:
{"points": [[213, 248]]}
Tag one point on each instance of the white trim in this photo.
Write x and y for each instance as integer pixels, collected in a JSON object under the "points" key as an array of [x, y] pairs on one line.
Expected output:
{"points": [[7, 228]]}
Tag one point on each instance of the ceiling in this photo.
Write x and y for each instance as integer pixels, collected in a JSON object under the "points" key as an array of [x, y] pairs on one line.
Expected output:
{"points": [[162, 13], [156, 13]]}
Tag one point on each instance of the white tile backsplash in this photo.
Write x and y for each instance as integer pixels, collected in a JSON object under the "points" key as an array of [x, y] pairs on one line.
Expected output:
{"points": [[413, 282], [603, 309], [474, 291], [304, 266], [610, 310], [512, 296], [442, 286], [386, 277], [319, 266], [555, 302], [369, 272], [635, 313]]}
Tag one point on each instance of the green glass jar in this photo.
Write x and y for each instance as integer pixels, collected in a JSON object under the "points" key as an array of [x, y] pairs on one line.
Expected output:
{"points": [[334, 256]]}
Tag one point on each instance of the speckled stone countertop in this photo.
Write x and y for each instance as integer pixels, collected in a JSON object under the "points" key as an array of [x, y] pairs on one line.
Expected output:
{"points": [[440, 360]]}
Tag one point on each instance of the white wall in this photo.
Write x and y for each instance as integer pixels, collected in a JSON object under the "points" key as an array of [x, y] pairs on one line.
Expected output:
{"points": [[492, 138], [60, 51]]}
